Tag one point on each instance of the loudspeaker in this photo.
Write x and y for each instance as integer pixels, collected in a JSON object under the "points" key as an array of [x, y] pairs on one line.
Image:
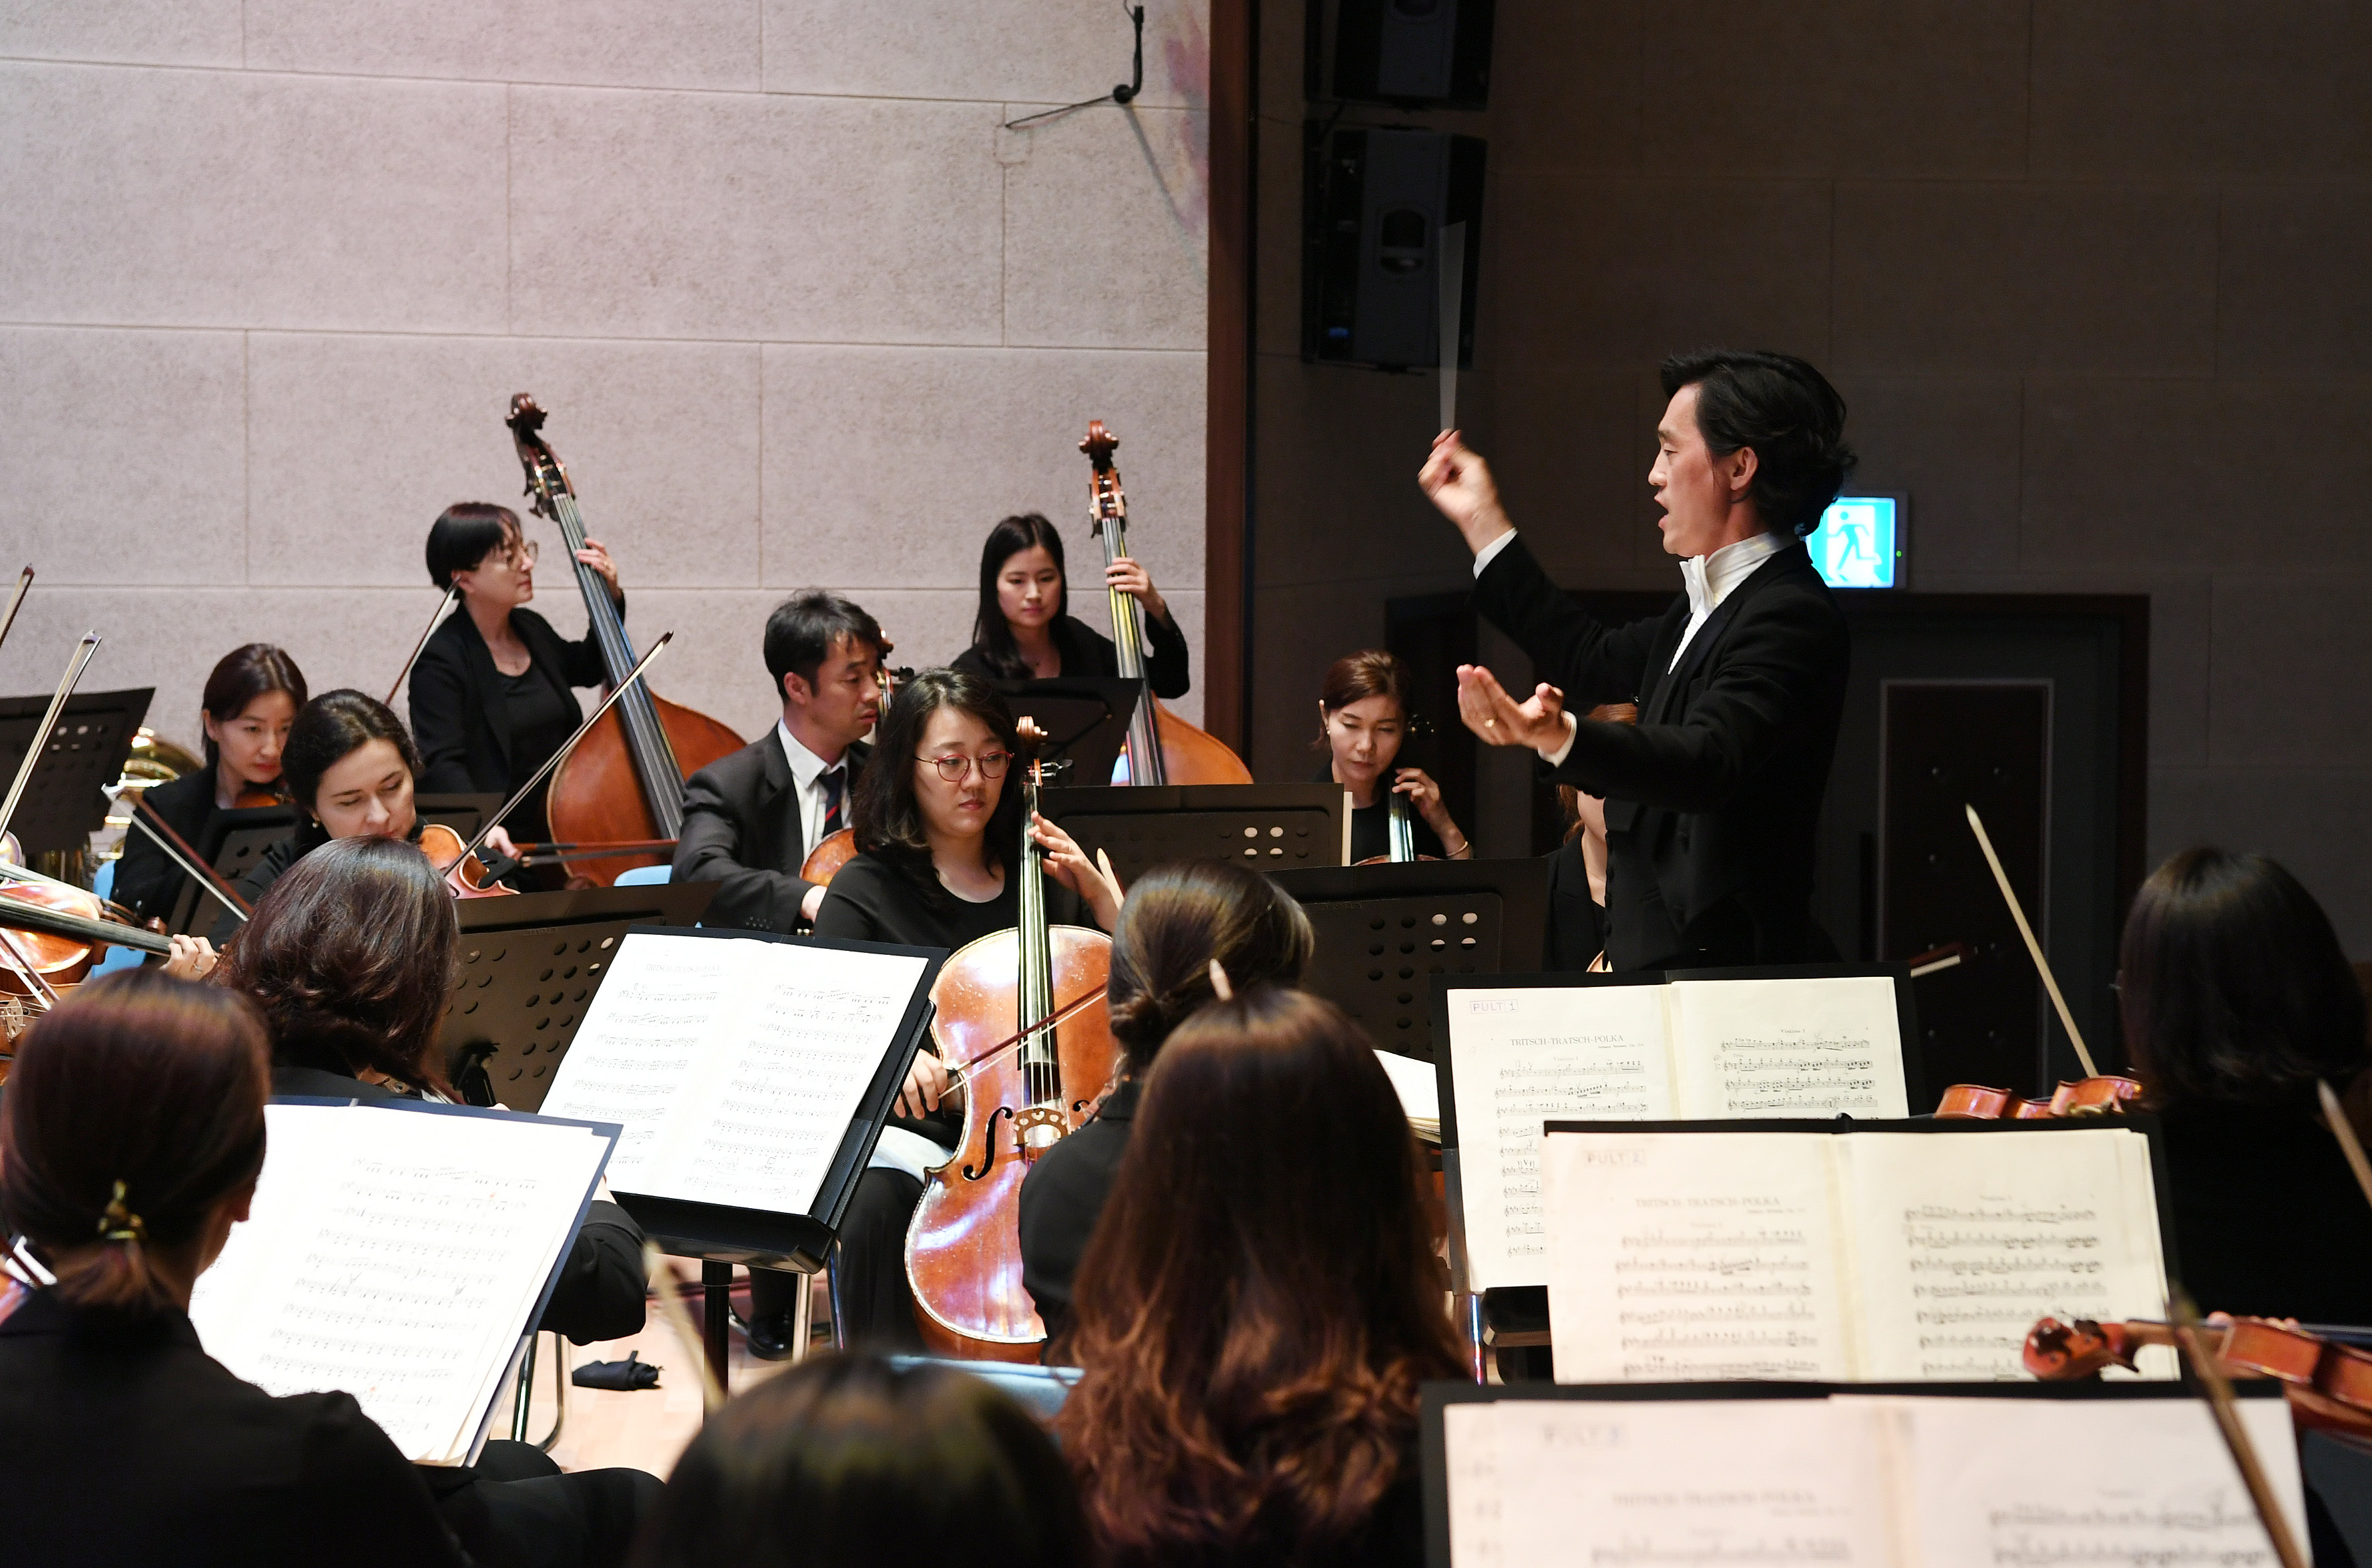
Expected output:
{"points": [[1414, 52], [1375, 204]]}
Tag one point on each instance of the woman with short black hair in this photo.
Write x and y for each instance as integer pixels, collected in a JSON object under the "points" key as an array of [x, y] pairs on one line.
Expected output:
{"points": [[1023, 627], [251, 698], [492, 694], [2237, 1000]]}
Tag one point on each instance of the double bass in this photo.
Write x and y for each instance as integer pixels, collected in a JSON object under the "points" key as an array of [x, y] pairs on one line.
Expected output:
{"points": [[1022, 1024], [624, 779], [1162, 747]]}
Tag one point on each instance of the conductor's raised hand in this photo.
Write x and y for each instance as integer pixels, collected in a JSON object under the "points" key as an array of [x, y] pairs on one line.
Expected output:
{"points": [[1458, 482], [925, 1086], [1068, 864], [1538, 722]]}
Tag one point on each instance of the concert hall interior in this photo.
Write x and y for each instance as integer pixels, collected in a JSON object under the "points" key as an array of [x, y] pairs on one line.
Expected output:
{"points": [[658, 728]]}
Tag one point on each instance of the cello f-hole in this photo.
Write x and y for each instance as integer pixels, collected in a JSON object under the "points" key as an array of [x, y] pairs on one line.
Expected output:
{"points": [[988, 1159]]}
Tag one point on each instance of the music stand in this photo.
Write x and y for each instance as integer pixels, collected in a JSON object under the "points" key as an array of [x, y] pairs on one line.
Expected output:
{"points": [[1384, 930], [65, 800], [1085, 717], [529, 964], [1273, 827], [231, 841]]}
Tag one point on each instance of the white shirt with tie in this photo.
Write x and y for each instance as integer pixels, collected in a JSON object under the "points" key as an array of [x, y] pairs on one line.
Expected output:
{"points": [[807, 771], [1708, 578]]}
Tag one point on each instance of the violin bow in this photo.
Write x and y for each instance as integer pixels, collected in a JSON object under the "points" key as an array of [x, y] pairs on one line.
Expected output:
{"points": [[8, 616], [2041, 964], [425, 633], [177, 849], [490, 823], [83, 650], [2341, 1129], [2217, 1391]]}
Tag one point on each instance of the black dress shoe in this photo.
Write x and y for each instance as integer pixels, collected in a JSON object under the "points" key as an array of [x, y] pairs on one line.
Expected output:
{"points": [[773, 1336]]}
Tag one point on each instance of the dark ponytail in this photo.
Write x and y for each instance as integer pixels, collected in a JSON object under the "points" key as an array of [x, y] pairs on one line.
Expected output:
{"points": [[1175, 920], [134, 1109]]}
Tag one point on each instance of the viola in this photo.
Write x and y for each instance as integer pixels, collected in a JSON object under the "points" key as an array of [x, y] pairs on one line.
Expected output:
{"points": [[1162, 747], [2105, 1095], [2327, 1381], [464, 873], [624, 780], [57, 932], [1021, 1018]]}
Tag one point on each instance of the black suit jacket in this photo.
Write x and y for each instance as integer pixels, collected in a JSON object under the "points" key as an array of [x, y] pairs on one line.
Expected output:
{"points": [[742, 830], [1713, 798], [460, 719], [128, 1444]]}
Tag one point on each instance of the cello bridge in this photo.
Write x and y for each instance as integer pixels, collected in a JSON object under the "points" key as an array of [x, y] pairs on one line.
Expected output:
{"points": [[1037, 1129]]}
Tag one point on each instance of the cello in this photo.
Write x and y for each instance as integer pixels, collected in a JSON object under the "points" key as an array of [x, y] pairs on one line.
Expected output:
{"points": [[1022, 1025], [1162, 747], [624, 779]]}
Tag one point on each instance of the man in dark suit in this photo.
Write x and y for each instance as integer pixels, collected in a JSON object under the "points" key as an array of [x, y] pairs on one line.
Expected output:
{"points": [[1712, 798], [750, 819]]}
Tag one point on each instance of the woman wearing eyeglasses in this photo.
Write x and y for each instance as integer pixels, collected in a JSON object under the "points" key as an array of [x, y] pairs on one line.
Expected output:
{"points": [[492, 696], [938, 828]]}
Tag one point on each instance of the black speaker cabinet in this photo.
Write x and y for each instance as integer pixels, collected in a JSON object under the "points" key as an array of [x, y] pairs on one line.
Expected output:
{"points": [[1431, 54], [1376, 203]]}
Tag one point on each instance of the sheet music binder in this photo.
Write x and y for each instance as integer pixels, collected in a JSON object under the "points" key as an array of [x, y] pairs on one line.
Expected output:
{"points": [[530, 964], [1269, 827], [64, 801]]}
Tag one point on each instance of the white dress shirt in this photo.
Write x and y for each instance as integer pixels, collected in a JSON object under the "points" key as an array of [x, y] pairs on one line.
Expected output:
{"points": [[807, 771], [1708, 578]]}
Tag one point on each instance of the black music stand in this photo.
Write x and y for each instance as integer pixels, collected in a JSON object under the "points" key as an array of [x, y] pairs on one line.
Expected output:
{"points": [[231, 841], [1085, 717], [1273, 827], [529, 963], [1383, 930], [65, 800]]}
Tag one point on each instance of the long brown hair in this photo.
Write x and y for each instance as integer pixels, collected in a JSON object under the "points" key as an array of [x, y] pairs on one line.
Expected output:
{"points": [[135, 1107], [1177, 919], [1259, 1301], [351, 956]]}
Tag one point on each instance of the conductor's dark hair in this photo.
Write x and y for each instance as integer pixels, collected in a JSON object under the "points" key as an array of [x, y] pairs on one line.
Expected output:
{"points": [[351, 957], [990, 634], [805, 627], [1175, 920], [1260, 1303], [465, 533], [887, 819], [842, 1453], [2235, 989], [240, 676], [333, 726], [1783, 410], [137, 1078]]}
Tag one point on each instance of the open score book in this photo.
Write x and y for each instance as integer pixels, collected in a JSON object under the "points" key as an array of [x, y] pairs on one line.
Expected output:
{"points": [[1686, 1050], [1851, 1256]]}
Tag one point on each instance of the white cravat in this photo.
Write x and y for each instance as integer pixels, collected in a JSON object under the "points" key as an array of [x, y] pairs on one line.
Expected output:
{"points": [[807, 771]]}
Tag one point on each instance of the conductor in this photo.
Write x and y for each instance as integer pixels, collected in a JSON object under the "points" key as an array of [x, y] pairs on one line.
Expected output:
{"points": [[1712, 798]]}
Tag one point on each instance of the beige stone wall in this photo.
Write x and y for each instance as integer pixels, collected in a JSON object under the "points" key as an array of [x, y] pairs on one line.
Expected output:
{"points": [[801, 311]]}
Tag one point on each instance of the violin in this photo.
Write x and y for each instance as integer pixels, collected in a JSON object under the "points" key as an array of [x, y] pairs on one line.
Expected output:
{"points": [[1162, 747], [2105, 1095], [836, 849], [1022, 1021], [2327, 1380], [51, 932], [625, 780], [464, 873]]}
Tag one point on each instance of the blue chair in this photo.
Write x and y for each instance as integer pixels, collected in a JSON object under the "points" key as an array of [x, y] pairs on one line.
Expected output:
{"points": [[645, 876], [117, 958]]}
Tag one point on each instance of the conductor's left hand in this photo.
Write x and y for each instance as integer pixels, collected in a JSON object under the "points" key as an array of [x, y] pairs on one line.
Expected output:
{"points": [[1539, 721]]}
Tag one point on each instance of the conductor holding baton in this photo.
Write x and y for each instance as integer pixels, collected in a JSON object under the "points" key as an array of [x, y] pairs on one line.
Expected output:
{"points": [[1712, 798]]}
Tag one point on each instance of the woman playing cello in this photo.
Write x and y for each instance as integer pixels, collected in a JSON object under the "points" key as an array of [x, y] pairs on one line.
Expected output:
{"points": [[1362, 710]]}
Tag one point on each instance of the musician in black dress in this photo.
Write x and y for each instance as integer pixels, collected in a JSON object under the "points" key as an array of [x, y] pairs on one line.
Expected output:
{"points": [[250, 701], [492, 695], [1363, 712], [938, 825], [1177, 921], [1024, 629], [2235, 998]]}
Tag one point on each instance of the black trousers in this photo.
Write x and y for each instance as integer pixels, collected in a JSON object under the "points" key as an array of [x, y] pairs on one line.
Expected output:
{"points": [[869, 1292], [514, 1508]]}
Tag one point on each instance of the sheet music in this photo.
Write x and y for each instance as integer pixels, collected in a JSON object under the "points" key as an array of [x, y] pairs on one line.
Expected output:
{"points": [[1961, 1242], [1802, 1046], [396, 1256], [736, 1066], [2114, 1483], [1419, 1088], [1687, 1258], [1520, 1056], [1683, 1483]]}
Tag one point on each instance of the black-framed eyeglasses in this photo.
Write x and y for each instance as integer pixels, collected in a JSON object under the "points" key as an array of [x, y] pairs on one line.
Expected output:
{"points": [[992, 765]]}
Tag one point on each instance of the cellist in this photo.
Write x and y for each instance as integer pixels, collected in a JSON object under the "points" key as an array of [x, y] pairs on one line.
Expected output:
{"points": [[936, 821], [1024, 627]]}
